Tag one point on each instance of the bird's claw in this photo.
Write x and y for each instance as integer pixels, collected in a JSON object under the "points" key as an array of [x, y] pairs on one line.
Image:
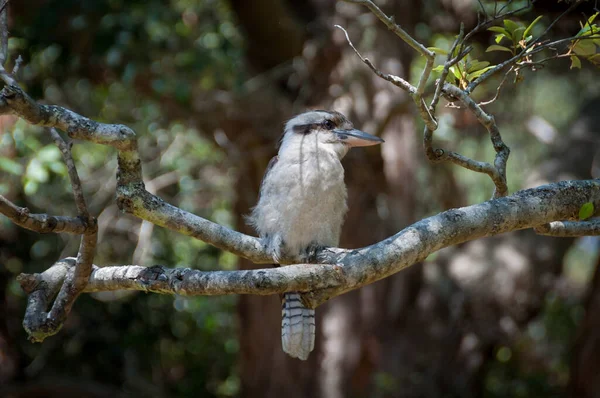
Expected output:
{"points": [[310, 253]]}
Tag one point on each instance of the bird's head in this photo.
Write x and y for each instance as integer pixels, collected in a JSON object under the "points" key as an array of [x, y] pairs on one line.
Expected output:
{"points": [[324, 130]]}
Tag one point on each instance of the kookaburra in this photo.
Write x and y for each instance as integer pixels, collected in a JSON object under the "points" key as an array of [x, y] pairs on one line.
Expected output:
{"points": [[302, 204]]}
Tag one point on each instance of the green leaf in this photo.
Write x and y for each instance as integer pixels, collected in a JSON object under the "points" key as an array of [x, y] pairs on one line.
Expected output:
{"points": [[594, 59], [587, 30], [585, 48], [511, 26], [438, 68], [437, 50], [499, 38], [589, 27], [10, 166], [36, 171], [30, 187], [451, 78], [455, 71], [528, 30], [495, 47], [586, 211], [479, 72], [575, 62], [499, 29], [518, 34], [49, 153], [58, 168], [477, 65]]}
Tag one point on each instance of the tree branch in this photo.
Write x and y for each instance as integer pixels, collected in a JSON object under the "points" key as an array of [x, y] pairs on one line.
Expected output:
{"points": [[65, 149], [40, 326], [341, 270], [132, 196], [426, 115], [192, 282], [532, 48], [570, 229], [498, 171], [394, 27], [42, 223], [416, 94], [395, 80], [3, 32]]}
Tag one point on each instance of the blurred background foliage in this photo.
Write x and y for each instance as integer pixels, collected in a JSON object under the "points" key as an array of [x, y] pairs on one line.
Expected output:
{"points": [[206, 85]]}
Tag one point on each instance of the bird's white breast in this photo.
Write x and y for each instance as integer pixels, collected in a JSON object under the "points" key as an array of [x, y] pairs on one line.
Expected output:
{"points": [[303, 201]]}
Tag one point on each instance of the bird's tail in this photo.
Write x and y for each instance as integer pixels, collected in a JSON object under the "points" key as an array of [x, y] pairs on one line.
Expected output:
{"points": [[297, 326]]}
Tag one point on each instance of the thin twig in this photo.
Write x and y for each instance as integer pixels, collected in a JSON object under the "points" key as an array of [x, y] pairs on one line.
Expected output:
{"points": [[395, 80], [532, 48], [483, 9], [567, 11], [42, 223], [394, 27], [450, 61], [399, 82], [17, 66], [65, 149], [496, 17], [497, 89], [568, 229], [420, 48], [3, 32], [502, 150]]}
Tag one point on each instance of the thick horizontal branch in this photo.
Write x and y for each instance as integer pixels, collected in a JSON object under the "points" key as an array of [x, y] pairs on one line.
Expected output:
{"points": [[191, 282], [570, 229], [524, 209], [345, 270]]}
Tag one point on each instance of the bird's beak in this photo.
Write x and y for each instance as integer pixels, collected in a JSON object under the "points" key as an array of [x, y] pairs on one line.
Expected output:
{"points": [[353, 137]]}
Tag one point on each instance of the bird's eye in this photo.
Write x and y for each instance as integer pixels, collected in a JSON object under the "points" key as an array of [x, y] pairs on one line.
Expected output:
{"points": [[329, 125]]}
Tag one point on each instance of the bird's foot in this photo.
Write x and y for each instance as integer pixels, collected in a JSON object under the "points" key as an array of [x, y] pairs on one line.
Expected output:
{"points": [[273, 245], [310, 253]]}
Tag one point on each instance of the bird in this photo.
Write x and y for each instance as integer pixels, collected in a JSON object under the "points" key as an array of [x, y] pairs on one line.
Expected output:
{"points": [[302, 205]]}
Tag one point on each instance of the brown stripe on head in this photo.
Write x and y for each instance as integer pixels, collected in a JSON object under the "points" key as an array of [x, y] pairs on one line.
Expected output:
{"points": [[317, 119], [337, 118], [312, 120]]}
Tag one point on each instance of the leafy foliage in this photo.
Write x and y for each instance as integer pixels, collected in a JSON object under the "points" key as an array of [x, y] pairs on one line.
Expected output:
{"points": [[587, 44]]}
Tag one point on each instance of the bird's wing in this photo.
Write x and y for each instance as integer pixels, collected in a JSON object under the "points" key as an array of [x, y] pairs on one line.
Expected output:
{"points": [[272, 163]]}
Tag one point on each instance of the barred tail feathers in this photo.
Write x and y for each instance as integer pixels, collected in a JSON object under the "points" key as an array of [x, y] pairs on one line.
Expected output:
{"points": [[297, 326]]}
